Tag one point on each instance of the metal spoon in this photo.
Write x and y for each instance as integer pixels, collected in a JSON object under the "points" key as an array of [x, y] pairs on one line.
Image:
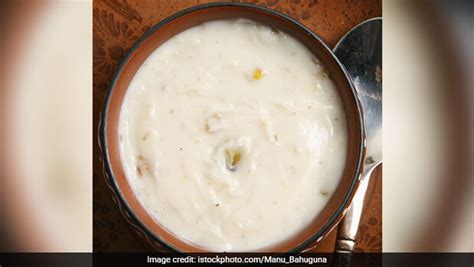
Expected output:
{"points": [[360, 51]]}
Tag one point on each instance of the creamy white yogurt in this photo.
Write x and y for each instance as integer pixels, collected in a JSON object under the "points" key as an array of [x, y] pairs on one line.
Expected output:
{"points": [[233, 136]]}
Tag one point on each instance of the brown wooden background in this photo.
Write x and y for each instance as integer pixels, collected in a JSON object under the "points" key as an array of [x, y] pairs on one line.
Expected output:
{"points": [[117, 24]]}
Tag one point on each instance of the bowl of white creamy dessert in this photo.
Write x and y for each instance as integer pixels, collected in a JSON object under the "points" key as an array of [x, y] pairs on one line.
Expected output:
{"points": [[231, 127]]}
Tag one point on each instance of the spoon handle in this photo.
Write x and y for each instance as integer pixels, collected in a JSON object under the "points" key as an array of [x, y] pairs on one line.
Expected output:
{"points": [[346, 235]]}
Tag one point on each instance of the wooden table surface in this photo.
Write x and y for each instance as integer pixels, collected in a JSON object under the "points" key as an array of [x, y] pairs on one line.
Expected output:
{"points": [[119, 23]]}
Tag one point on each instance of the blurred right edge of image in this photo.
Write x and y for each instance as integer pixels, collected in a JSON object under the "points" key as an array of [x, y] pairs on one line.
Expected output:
{"points": [[428, 189]]}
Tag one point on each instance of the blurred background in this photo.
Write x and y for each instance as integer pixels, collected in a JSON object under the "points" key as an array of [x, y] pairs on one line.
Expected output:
{"points": [[428, 189], [46, 142], [46, 117]]}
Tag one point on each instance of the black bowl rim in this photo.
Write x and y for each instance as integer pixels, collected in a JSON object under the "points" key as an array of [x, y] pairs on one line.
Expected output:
{"points": [[330, 223]]}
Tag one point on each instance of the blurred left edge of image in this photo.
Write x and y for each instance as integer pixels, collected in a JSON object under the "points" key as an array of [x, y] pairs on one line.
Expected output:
{"points": [[46, 115]]}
